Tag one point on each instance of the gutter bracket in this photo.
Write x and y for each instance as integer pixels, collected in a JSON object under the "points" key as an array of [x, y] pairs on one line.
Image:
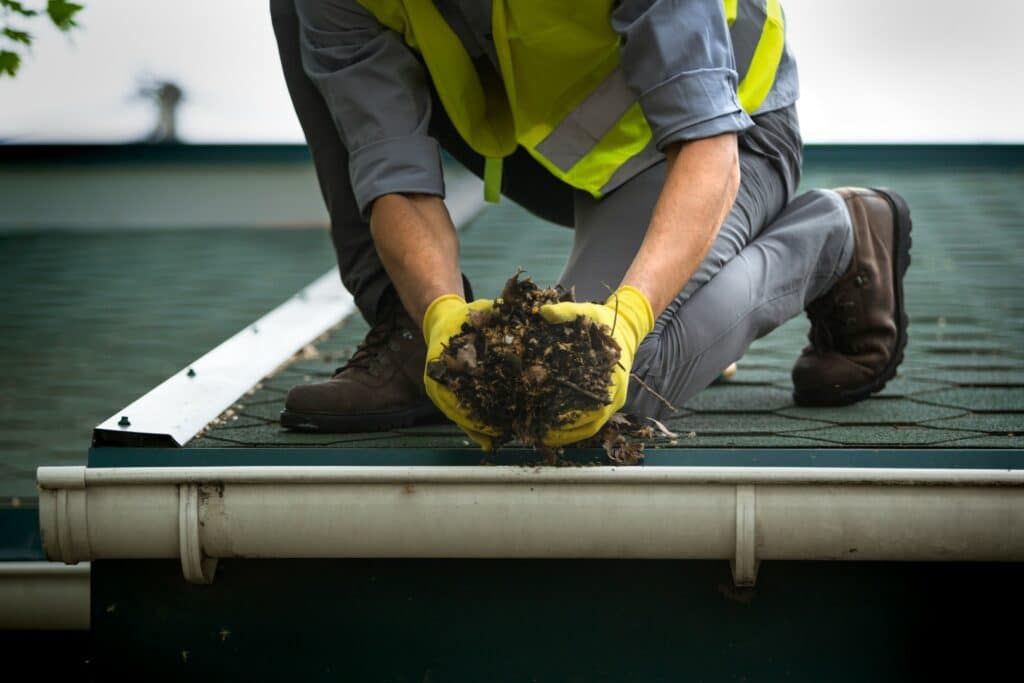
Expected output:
{"points": [[194, 565], [745, 564], [63, 516]]}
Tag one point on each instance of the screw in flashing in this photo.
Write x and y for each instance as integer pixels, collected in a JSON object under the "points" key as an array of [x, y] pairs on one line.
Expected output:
{"points": [[124, 422], [191, 372]]}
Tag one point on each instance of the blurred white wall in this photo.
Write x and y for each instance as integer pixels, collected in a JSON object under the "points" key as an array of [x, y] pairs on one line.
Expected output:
{"points": [[872, 71]]}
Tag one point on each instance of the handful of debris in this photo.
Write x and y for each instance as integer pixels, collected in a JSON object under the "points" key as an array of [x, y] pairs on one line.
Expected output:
{"points": [[520, 374]]}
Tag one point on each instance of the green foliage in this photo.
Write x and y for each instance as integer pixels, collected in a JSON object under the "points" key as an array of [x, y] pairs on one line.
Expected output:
{"points": [[61, 14], [9, 62], [18, 36], [12, 6]]}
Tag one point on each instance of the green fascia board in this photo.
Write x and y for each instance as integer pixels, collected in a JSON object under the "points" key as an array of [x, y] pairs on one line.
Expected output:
{"points": [[87, 155], [915, 155], [884, 155], [552, 620], [937, 458]]}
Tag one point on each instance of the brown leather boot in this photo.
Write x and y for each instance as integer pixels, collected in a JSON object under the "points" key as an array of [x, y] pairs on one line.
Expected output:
{"points": [[859, 327], [380, 387]]}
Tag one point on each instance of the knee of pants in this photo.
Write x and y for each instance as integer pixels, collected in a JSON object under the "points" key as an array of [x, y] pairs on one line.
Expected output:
{"points": [[829, 203]]}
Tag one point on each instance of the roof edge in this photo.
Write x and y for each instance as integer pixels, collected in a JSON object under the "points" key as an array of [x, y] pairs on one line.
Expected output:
{"points": [[911, 154]]}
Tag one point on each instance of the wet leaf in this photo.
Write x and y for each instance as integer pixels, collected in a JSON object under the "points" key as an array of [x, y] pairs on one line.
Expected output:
{"points": [[662, 430]]}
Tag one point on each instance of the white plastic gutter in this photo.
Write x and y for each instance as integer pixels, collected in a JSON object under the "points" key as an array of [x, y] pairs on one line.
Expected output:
{"points": [[42, 595], [743, 515], [176, 410]]}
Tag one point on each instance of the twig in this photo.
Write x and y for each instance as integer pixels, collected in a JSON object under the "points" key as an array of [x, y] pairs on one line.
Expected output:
{"points": [[654, 393], [615, 320], [589, 394]]}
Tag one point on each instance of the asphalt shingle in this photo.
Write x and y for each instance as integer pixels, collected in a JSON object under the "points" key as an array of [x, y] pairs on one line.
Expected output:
{"points": [[964, 359]]}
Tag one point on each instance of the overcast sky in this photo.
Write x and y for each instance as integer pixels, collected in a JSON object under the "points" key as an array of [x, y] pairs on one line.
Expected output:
{"points": [[871, 71]]}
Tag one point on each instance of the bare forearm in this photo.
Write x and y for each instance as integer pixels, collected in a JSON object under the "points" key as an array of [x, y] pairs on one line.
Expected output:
{"points": [[417, 244], [699, 190]]}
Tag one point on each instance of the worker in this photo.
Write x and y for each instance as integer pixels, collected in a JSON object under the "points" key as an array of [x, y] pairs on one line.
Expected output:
{"points": [[664, 132]]}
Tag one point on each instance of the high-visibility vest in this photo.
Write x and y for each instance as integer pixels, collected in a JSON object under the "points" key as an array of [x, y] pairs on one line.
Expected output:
{"points": [[561, 93]]}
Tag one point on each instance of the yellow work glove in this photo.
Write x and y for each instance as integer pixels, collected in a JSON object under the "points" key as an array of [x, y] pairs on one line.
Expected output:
{"points": [[627, 312], [442, 321]]}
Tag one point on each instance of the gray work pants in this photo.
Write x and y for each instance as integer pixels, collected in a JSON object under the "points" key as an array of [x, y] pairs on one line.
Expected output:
{"points": [[773, 255]]}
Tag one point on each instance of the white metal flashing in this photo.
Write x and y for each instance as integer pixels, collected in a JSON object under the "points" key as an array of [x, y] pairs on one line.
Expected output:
{"points": [[43, 595], [186, 402], [738, 514], [176, 410]]}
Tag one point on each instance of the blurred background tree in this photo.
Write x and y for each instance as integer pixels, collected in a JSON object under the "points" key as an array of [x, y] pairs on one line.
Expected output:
{"points": [[15, 16]]}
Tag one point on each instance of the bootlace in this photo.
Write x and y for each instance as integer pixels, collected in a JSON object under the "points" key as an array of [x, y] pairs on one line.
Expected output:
{"points": [[367, 353]]}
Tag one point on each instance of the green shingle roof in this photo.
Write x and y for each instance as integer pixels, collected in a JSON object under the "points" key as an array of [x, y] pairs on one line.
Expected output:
{"points": [[962, 384]]}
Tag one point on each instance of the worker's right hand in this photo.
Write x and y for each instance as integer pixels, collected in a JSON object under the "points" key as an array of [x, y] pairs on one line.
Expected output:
{"points": [[628, 316], [442, 321]]}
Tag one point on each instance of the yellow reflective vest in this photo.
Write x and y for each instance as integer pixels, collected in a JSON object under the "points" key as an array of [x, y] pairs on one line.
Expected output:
{"points": [[554, 112]]}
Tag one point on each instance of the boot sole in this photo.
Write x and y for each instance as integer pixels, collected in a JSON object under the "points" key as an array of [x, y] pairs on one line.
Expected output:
{"points": [[333, 423], [902, 224]]}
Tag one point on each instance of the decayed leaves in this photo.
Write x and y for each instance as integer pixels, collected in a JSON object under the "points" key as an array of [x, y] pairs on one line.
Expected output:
{"points": [[522, 375], [623, 437]]}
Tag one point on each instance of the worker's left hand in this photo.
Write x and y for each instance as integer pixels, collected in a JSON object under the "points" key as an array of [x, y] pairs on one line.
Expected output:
{"points": [[627, 313]]}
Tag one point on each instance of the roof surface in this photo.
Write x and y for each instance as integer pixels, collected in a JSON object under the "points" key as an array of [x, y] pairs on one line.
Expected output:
{"points": [[961, 385]]}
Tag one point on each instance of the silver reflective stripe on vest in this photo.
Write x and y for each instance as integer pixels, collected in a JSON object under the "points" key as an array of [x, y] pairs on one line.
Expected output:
{"points": [[581, 130], [578, 133], [640, 161], [746, 33]]}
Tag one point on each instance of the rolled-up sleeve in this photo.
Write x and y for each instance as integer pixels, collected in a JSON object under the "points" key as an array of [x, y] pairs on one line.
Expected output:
{"points": [[378, 96], [677, 56]]}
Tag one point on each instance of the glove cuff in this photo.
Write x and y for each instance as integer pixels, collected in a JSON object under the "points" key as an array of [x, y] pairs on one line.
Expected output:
{"points": [[436, 310], [634, 308]]}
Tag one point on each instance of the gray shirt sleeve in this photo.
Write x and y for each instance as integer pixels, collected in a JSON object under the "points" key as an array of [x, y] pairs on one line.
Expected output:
{"points": [[677, 56], [377, 93]]}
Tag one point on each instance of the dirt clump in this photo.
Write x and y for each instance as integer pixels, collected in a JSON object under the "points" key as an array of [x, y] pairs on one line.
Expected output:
{"points": [[522, 375]]}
